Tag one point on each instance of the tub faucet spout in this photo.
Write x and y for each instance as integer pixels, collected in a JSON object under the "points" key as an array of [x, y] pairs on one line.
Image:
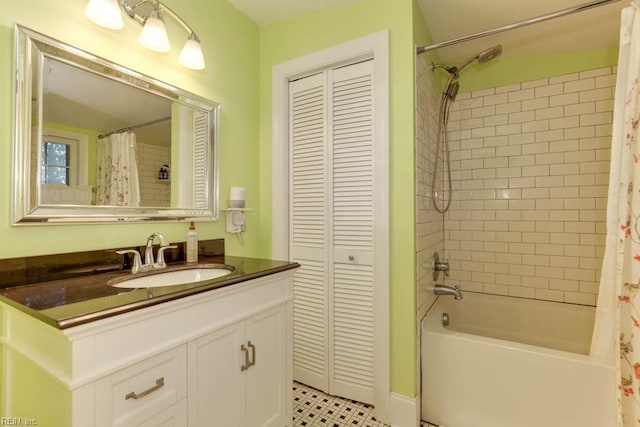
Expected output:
{"points": [[448, 290]]}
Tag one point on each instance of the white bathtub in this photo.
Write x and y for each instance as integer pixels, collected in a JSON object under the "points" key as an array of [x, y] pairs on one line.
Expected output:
{"points": [[511, 362]]}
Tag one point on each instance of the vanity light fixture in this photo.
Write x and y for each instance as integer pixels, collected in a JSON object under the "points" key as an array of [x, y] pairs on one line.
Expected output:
{"points": [[154, 34], [147, 13], [105, 13]]}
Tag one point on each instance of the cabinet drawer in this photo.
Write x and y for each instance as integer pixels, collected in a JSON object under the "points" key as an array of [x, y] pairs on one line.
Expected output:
{"points": [[138, 392], [174, 416]]}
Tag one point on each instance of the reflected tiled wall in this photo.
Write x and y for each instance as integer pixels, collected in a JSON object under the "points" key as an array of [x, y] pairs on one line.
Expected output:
{"points": [[429, 223], [530, 166], [152, 191]]}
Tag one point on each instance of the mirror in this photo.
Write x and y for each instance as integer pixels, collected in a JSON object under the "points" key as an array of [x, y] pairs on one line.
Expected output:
{"points": [[95, 141]]}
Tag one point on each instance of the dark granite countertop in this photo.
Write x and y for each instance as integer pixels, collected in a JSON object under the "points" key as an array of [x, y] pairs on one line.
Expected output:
{"points": [[69, 302]]}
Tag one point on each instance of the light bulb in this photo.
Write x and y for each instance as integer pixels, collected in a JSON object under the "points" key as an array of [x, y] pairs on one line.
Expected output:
{"points": [[191, 54], [105, 13], [154, 35]]}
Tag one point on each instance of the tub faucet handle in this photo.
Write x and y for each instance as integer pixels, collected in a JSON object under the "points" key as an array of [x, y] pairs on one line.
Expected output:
{"points": [[437, 266], [442, 266]]}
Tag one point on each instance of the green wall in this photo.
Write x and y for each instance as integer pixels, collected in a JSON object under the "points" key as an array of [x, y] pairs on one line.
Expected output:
{"points": [[240, 56], [513, 69], [230, 44], [296, 37]]}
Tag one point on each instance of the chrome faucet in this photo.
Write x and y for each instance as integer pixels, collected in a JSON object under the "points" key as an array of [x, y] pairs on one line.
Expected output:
{"points": [[149, 263], [448, 290]]}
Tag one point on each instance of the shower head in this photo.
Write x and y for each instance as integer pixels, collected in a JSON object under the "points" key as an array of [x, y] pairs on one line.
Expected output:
{"points": [[484, 56], [489, 54]]}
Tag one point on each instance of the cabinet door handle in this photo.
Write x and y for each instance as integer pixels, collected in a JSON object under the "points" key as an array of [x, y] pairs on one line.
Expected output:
{"points": [[247, 363], [253, 353], [136, 396]]}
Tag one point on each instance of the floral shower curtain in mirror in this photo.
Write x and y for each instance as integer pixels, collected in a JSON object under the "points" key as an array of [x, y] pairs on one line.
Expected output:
{"points": [[617, 328], [117, 171]]}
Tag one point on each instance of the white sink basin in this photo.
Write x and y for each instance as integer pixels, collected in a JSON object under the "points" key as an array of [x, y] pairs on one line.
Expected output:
{"points": [[172, 278]]}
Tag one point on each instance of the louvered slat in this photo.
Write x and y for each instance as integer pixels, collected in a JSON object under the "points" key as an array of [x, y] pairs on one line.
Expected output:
{"points": [[308, 165], [308, 307], [353, 325], [201, 151], [352, 158]]}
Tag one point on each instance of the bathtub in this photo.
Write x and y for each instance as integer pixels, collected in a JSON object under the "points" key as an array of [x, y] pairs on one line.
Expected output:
{"points": [[512, 362]]}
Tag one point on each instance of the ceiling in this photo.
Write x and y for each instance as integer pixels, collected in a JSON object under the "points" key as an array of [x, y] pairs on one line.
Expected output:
{"points": [[269, 11], [95, 102], [447, 19]]}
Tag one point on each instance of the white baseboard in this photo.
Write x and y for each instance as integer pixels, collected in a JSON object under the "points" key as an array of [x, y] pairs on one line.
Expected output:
{"points": [[404, 411]]}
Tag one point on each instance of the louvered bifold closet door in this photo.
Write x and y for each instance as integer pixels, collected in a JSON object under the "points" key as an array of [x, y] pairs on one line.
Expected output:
{"points": [[351, 153], [331, 152], [309, 186]]}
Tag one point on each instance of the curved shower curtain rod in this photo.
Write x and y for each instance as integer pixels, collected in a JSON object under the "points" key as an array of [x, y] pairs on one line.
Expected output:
{"points": [[515, 25]]}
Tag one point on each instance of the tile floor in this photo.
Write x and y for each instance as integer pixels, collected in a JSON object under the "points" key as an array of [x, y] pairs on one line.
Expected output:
{"points": [[312, 407]]}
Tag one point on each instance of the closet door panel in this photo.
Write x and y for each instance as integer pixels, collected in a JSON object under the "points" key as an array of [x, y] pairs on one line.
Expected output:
{"points": [[309, 229], [352, 173]]}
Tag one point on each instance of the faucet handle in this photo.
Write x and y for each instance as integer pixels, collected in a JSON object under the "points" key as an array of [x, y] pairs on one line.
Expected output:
{"points": [[437, 266], [160, 262], [137, 261]]}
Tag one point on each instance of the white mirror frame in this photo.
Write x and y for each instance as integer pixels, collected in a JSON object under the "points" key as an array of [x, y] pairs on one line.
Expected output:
{"points": [[29, 43]]}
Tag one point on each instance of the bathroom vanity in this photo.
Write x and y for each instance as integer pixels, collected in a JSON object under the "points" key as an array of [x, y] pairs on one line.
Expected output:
{"points": [[77, 350], [213, 353]]}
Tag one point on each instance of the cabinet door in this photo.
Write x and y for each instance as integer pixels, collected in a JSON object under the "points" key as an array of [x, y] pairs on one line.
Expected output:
{"points": [[216, 383], [266, 380]]}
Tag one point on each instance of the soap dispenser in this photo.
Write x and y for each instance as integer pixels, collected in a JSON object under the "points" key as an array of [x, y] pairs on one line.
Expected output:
{"points": [[192, 244]]}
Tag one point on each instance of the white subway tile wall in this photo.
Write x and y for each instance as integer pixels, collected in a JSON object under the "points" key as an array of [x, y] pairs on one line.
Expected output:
{"points": [[153, 192], [530, 166], [429, 223]]}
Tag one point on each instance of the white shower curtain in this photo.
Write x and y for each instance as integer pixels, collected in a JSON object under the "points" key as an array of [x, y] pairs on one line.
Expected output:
{"points": [[617, 328], [117, 172]]}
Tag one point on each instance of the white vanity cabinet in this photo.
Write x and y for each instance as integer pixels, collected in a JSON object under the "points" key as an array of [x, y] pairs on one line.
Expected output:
{"points": [[179, 363], [252, 364]]}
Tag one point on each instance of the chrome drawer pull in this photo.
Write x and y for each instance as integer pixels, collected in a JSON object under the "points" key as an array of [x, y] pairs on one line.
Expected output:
{"points": [[136, 396]]}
